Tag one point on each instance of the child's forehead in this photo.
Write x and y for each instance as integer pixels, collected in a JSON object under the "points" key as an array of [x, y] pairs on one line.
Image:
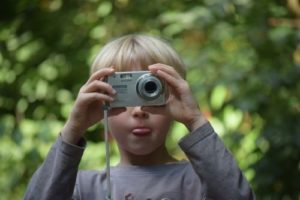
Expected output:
{"points": [[134, 66]]}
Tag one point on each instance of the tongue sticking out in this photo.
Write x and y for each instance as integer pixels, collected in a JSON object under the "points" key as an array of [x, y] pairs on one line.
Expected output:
{"points": [[141, 131]]}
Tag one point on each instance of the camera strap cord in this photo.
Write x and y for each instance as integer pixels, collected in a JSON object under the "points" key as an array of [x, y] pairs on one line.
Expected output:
{"points": [[107, 152]]}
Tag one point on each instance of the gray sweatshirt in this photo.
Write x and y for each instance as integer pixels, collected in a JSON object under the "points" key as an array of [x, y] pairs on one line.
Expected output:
{"points": [[210, 173]]}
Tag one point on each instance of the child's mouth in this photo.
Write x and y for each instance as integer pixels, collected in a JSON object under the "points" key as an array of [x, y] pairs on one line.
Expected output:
{"points": [[141, 131]]}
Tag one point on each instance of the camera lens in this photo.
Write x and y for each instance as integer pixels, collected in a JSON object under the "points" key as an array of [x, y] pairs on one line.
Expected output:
{"points": [[149, 87]]}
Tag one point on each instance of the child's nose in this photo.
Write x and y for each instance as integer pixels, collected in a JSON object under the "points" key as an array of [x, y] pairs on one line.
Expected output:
{"points": [[138, 112]]}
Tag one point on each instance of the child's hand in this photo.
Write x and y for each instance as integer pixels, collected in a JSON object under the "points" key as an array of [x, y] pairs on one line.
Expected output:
{"points": [[181, 104], [87, 108]]}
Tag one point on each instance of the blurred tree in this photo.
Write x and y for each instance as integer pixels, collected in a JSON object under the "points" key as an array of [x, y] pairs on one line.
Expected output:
{"points": [[243, 61]]}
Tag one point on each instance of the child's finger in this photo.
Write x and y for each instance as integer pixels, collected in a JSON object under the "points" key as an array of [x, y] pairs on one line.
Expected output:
{"points": [[168, 69], [100, 74], [171, 80], [98, 86], [87, 98]]}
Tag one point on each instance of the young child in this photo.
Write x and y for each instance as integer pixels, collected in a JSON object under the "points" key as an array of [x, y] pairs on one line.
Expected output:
{"points": [[146, 169]]}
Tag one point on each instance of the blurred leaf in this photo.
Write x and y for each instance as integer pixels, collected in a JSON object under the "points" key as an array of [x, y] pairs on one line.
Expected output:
{"points": [[218, 97], [232, 118]]}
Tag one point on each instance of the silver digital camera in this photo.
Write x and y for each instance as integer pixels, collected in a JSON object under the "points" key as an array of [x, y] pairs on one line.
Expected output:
{"points": [[137, 88]]}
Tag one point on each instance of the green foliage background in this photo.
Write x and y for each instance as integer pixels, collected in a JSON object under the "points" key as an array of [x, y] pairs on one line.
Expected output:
{"points": [[243, 61]]}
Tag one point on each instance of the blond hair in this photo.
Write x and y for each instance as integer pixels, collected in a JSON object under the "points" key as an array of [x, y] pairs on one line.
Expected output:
{"points": [[126, 52]]}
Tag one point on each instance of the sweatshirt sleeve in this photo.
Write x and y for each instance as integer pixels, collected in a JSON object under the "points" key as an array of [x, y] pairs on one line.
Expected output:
{"points": [[215, 165], [56, 178]]}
